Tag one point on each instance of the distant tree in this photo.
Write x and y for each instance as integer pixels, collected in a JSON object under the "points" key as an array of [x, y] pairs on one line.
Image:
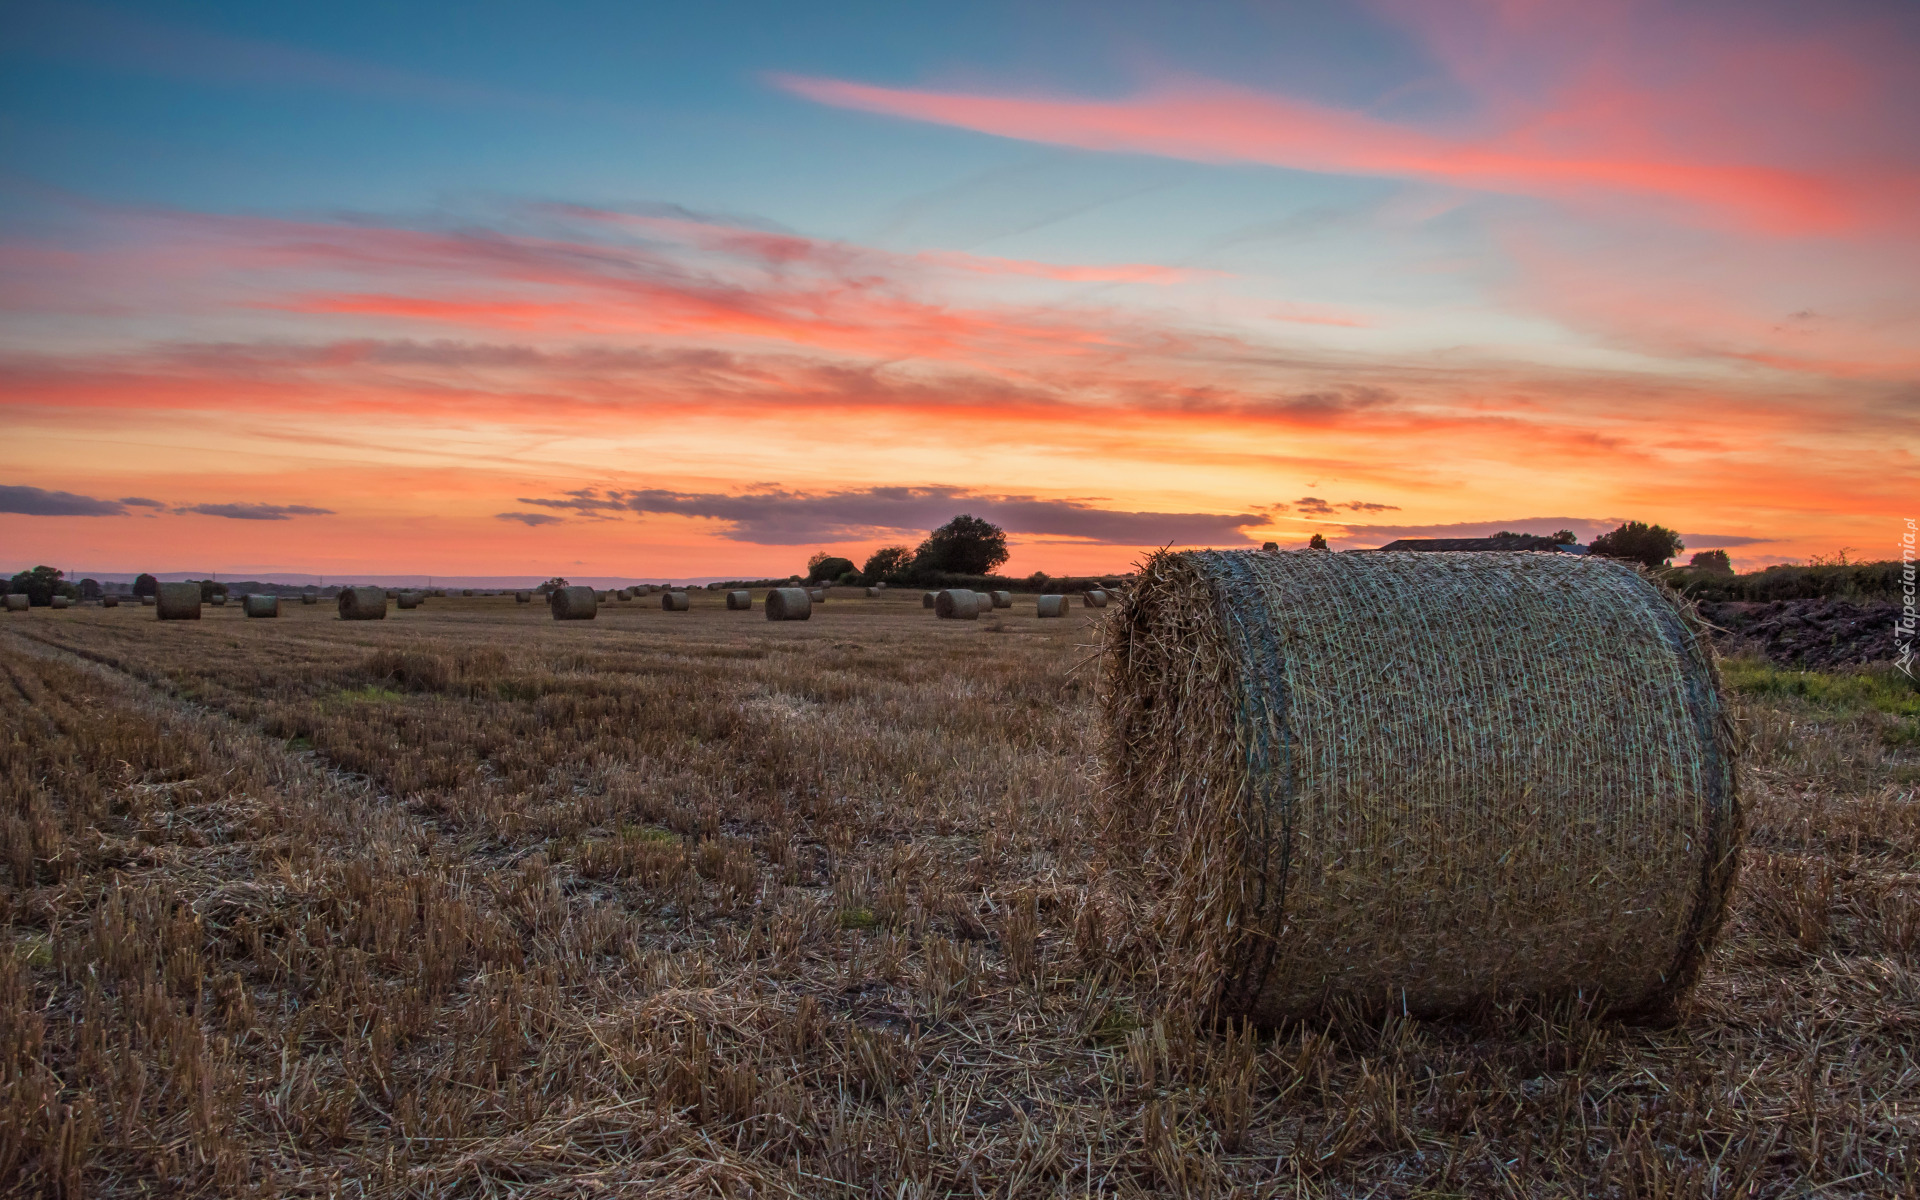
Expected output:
{"points": [[89, 589], [40, 584], [825, 566], [888, 564], [966, 545], [1317, 542], [1565, 538], [209, 588], [1639, 542], [552, 585], [145, 585], [1038, 580], [1712, 560]]}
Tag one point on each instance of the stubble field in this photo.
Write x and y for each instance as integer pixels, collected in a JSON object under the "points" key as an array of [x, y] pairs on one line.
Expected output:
{"points": [[472, 902]]}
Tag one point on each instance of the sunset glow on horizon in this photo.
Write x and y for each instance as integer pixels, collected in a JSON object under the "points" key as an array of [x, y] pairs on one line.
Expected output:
{"points": [[692, 295]]}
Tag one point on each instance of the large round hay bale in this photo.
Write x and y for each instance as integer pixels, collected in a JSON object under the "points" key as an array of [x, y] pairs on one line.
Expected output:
{"points": [[409, 600], [789, 604], [1093, 598], [109, 602], [60, 602], [177, 602], [573, 604], [927, 599], [259, 604], [1002, 599], [523, 597], [1418, 781], [1051, 606], [675, 602], [957, 604], [20, 601], [984, 600], [363, 603], [623, 594], [739, 600]]}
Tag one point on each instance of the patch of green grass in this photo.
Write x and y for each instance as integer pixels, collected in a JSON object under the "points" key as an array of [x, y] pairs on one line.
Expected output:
{"points": [[646, 833], [858, 918], [1876, 689], [297, 744]]}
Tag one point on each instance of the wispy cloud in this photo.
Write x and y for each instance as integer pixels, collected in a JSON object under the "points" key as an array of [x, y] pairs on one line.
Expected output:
{"points": [[256, 512], [527, 518], [39, 502], [781, 517]]}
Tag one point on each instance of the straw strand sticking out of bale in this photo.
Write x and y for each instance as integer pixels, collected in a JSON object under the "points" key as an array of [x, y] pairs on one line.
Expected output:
{"points": [[1417, 781]]}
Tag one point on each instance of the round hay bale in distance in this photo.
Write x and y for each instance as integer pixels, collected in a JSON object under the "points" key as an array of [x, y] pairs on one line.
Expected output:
{"points": [[873, 593], [927, 599], [1093, 598], [675, 602], [1002, 599], [259, 604], [1418, 781], [363, 604], [957, 604], [984, 601], [309, 598], [739, 600], [177, 602], [523, 597], [1051, 606], [109, 601], [409, 600], [218, 600], [573, 603], [147, 601], [394, 593], [60, 602], [18, 602], [789, 604], [817, 595]]}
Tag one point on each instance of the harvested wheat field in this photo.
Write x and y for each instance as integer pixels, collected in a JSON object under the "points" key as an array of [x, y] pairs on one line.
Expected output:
{"points": [[471, 902]]}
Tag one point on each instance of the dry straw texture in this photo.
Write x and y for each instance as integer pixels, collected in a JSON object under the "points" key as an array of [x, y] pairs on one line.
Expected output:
{"points": [[255, 604], [1051, 606], [957, 604], [789, 604], [17, 601], [363, 604], [177, 602], [1419, 782], [675, 602], [739, 600], [573, 604]]}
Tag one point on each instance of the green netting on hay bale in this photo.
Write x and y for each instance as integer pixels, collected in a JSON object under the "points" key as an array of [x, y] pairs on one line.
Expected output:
{"points": [[1418, 781]]}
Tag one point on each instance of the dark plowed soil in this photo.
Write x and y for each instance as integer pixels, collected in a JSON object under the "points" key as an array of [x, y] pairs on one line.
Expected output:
{"points": [[1807, 633]]}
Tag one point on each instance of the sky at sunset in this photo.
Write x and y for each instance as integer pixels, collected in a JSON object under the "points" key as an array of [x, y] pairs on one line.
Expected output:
{"points": [[692, 291]]}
